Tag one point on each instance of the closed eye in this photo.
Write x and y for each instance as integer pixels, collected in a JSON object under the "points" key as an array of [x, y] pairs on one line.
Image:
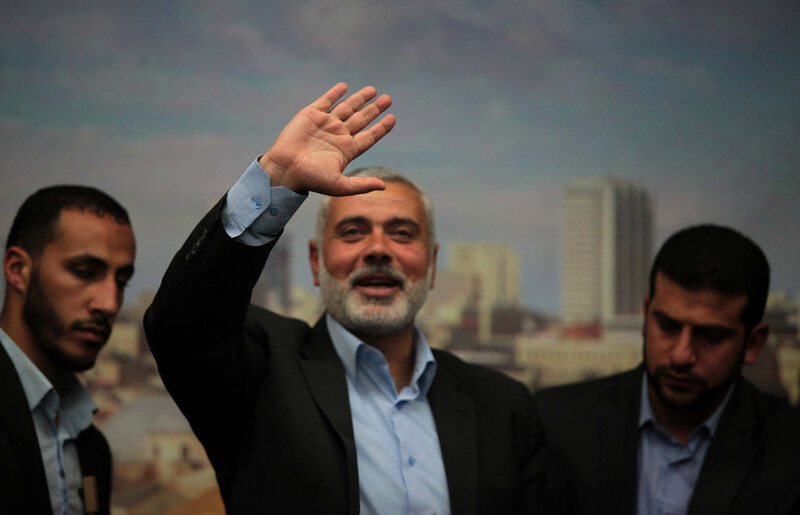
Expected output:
{"points": [[713, 334], [667, 324], [84, 273]]}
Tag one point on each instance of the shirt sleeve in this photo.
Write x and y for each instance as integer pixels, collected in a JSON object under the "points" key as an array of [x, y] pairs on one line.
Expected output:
{"points": [[255, 213]]}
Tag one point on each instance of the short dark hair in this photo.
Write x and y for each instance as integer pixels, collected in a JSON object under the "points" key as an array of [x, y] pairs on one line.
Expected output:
{"points": [[36, 224], [716, 258]]}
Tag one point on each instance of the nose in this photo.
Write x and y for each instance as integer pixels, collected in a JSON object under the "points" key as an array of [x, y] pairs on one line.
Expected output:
{"points": [[107, 298], [683, 353], [377, 251]]}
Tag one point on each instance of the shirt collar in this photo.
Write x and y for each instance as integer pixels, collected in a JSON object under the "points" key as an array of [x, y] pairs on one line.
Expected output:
{"points": [[76, 405], [347, 346], [646, 413]]}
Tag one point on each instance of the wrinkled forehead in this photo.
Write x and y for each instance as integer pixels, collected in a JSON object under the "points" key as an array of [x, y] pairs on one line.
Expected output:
{"points": [[397, 201]]}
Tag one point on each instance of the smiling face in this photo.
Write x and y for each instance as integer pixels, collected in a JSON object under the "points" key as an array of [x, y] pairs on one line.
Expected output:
{"points": [[695, 345], [376, 262], [75, 290]]}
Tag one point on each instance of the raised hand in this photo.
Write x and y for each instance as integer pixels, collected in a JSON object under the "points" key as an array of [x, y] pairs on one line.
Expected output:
{"points": [[314, 148]]}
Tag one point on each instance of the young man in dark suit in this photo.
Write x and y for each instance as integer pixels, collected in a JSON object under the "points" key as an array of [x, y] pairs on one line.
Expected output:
{"points": [[356, 414], [68, 257], [683, 432]]}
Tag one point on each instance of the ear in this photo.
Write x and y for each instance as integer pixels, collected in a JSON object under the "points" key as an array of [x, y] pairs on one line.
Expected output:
{"points": [[17, 266], [755, 342], [433, 264], [313, 259], [645, 307]]}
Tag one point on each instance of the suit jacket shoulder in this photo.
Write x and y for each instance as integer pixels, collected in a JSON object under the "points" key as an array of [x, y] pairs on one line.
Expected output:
{"points": [[588, 434], [23, 482], [753, 462]]}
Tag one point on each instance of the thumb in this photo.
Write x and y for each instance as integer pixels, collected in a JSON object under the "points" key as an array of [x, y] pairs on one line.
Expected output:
{"points": [[357, 185]]}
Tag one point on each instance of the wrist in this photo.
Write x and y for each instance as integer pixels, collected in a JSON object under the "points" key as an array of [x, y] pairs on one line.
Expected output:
{"points": [[279, 175]]}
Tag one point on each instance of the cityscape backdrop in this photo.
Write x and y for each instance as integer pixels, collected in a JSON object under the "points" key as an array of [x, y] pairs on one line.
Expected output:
{"points": [[498, 104], [502, 107]]}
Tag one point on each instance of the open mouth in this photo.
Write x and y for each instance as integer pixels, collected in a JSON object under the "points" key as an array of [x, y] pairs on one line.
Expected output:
{"points": [[378, 285]]}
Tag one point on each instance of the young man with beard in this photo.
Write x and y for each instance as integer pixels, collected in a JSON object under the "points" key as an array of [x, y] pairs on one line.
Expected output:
{"points": [[684, 432], [68, 257], [357, 414]]}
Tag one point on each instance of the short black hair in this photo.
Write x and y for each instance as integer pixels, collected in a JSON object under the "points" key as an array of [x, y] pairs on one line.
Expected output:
{"points": [[716, 258], [36, 224]]}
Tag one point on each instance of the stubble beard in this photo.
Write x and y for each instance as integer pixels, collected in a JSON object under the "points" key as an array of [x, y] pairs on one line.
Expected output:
{"points": [[699, 399], [47, 329], [378, 316]]}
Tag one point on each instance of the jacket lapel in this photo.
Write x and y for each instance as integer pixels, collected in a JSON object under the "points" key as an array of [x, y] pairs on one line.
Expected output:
{"points": [[619, 446], [729, 456], [17, 423], [454, 414], [325, 376]]}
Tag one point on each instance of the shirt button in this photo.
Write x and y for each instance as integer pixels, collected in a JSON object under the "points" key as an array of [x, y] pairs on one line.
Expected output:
{"points": [[256, 204], [412, 461], [273, 211]]}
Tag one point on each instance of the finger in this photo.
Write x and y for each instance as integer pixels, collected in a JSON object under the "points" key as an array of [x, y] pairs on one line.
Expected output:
{"points": [[368, 113], [326, 101], [345, 109], [357, 185], [366, 138]]}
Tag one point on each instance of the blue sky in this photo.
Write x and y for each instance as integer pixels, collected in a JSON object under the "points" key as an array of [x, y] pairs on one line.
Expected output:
{"points": [[499, 104]]}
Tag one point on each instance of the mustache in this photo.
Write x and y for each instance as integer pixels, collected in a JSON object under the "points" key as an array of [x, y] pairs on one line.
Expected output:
{"points": [[377, 269], [682, 373], [97, 323]]}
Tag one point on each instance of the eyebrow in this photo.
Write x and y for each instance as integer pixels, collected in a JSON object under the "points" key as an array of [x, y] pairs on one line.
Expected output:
{"points": [[89, 259], [364, 220], [713, 327]]}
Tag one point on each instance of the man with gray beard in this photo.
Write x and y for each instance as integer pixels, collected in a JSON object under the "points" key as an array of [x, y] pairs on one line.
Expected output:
{"points": [[357, 414]]}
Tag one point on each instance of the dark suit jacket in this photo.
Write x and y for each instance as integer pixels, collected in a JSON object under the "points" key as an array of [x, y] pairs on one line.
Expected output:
{"points": [[23, 484], [590, 433], [267, 396]]}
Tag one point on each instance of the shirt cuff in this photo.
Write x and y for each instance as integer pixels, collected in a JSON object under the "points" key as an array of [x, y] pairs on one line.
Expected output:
{"points": [[255, 213]]}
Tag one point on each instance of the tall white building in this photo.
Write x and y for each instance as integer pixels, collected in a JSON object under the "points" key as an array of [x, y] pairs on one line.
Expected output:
{"points": [[606, 245], [494, 270]]}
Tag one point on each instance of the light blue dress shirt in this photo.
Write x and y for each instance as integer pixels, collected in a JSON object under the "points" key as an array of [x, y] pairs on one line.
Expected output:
{"points": [[400, 465], [73, 409], [254, 212], [668, 471]]}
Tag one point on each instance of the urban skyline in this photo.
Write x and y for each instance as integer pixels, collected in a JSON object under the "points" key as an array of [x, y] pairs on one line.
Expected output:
{"points": [[498, 107]]}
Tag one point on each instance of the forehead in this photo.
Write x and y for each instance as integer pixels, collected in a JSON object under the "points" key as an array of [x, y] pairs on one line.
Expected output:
{"points": [[81, 232], [702, 307], [398, 200]]}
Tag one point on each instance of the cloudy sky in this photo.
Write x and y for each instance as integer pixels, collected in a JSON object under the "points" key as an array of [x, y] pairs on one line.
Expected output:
{"points": [[499, 105]]}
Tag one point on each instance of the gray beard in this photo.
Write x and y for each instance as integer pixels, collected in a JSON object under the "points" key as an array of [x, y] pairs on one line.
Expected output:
{"points": [[368, 315]]}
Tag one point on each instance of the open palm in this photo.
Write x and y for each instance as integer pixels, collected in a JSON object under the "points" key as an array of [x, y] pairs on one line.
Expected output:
{"points": [[316, 146]]}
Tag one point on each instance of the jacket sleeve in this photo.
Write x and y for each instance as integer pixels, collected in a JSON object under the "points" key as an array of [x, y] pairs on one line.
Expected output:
{"points": [[195, 326]]}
